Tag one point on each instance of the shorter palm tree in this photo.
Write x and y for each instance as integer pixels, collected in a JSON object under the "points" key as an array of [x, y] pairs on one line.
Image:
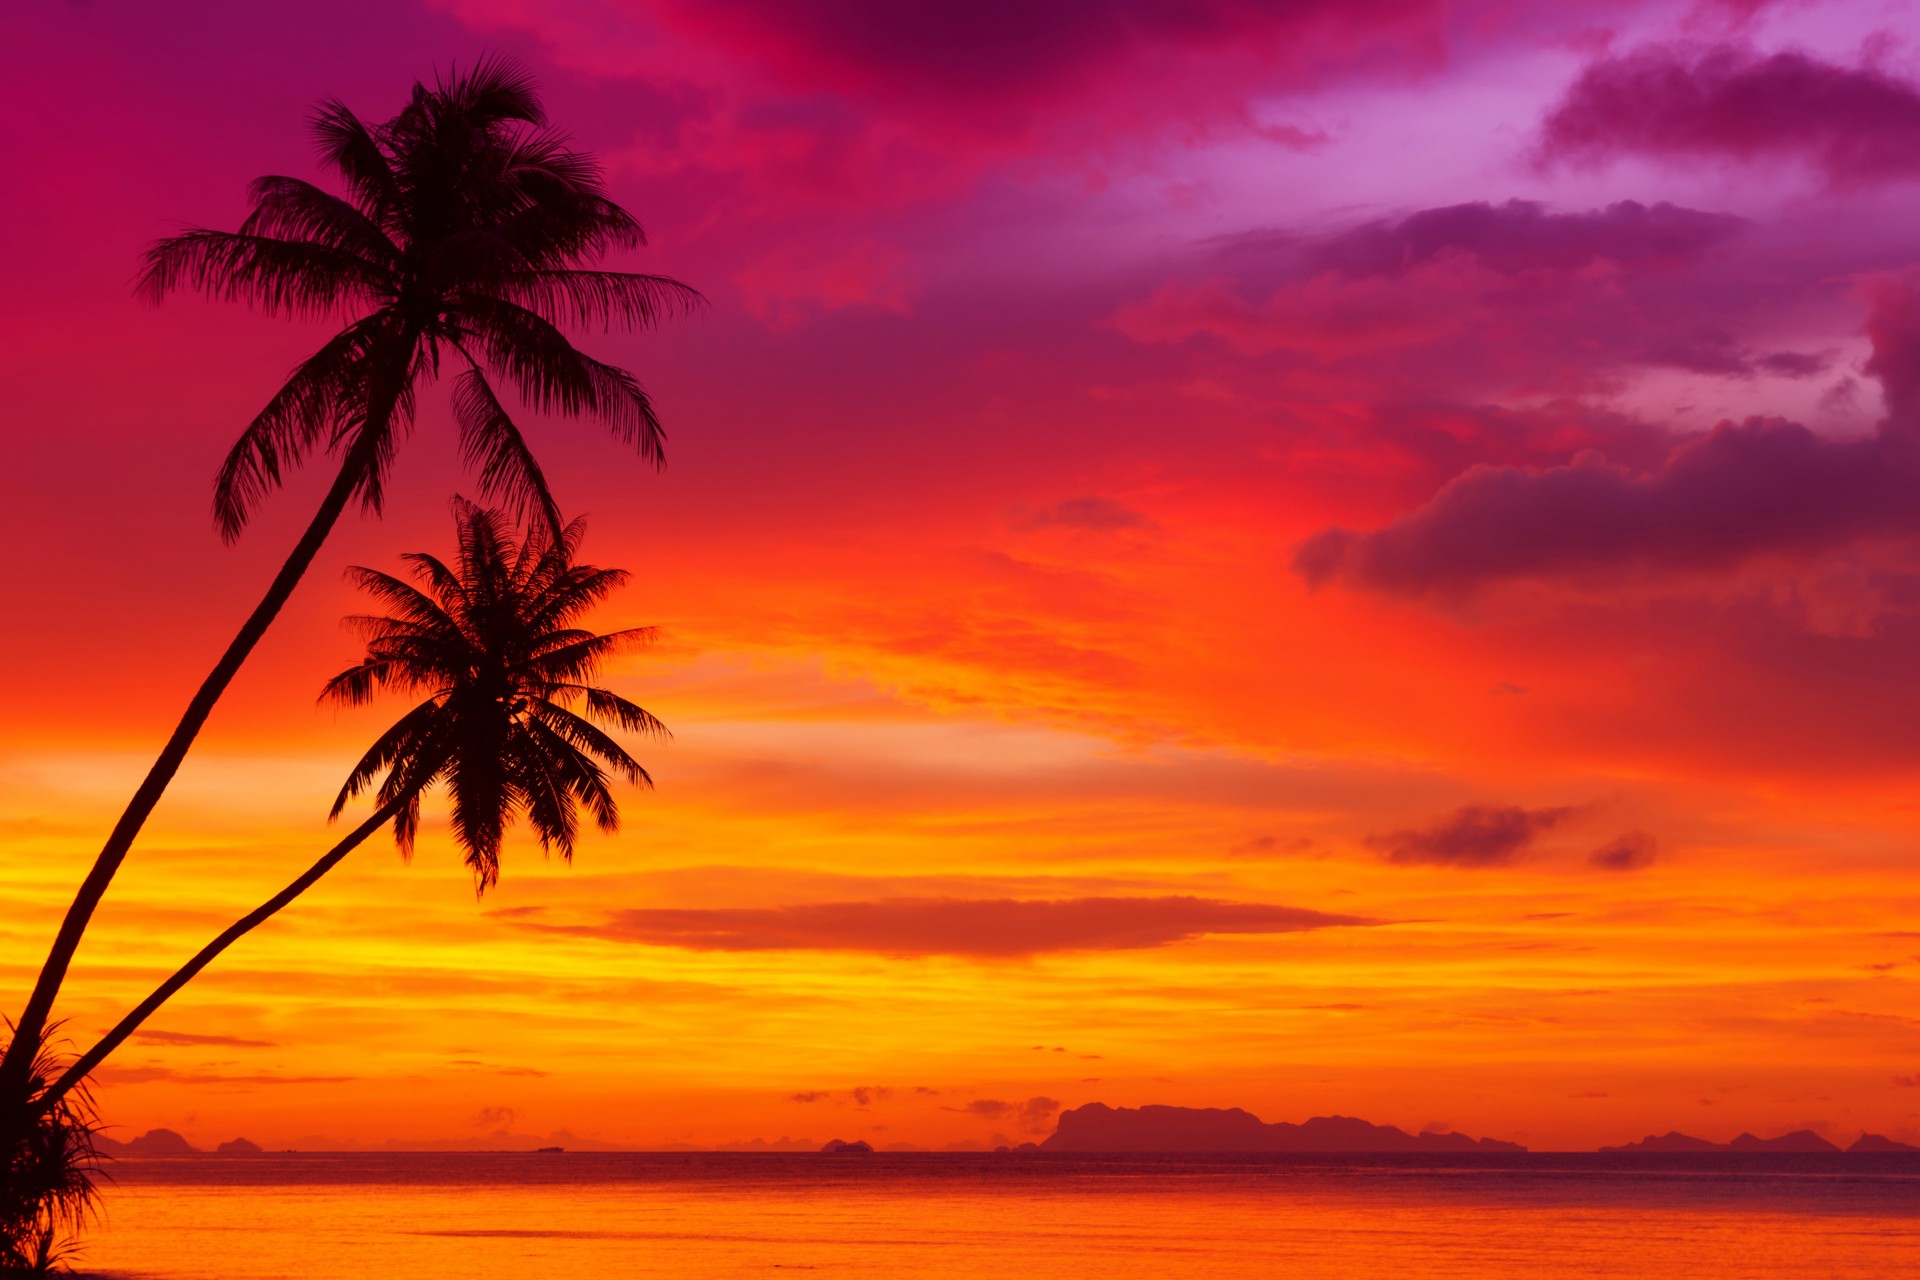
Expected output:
{"points": [[508, 723]]}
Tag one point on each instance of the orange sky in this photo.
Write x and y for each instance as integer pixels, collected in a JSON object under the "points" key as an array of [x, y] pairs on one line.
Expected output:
{"points": [[1023, 756]]}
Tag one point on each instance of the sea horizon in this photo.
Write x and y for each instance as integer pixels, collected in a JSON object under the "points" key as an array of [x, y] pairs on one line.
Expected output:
{"points": [[311, 1215]]}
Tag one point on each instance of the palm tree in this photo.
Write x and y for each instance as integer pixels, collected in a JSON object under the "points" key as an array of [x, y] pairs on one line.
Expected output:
{"points": [[465, 236], [507, 724]]}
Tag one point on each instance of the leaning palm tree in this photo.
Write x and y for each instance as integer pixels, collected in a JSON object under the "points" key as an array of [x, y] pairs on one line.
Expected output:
{"points": [[507, 723], [464, 237]]}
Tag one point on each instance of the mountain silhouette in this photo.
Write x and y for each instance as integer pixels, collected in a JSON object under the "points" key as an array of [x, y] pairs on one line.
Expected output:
{"points": [[1870, 1142], [1098, 1127], [154, 1142]]}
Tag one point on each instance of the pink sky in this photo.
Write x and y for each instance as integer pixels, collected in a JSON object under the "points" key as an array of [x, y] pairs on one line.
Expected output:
{"points": [[1449, 465]]}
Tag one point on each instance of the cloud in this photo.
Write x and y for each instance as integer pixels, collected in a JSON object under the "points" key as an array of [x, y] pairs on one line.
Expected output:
{"points": [[784, 289], [1033, 1116], [493, 1117], [1037, 1113], [151, 1072], [1632, 851], [953, 926], [1741, 490], [1091, 513], [1492, 295], [1471, 836], [1855, 124], [156, 1036], [1523, 235], [810, 1095], [871, 103], [999, 51]]}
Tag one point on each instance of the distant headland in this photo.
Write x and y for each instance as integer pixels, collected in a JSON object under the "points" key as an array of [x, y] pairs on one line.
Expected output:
{"points": [[1099, 1127], [1804, 1141]]}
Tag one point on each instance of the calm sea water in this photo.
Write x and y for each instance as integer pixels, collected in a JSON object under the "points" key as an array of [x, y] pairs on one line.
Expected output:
{"points": [[597, 1217]]}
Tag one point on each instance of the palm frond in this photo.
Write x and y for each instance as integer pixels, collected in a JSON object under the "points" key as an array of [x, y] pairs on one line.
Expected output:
{"points": [[294, 209], [49, 1166], [410, 743], [588, 741], [492, 443], [350, 149], [555, 377], [606, 299], [298, 277], [325, 393]]}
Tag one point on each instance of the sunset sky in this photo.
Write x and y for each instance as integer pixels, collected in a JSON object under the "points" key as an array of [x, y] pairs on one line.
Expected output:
{"points": [[1326, 556]]}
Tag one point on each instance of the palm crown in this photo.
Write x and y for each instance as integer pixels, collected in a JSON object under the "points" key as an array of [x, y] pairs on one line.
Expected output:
{"points": [[508, 723], [464, 235]]}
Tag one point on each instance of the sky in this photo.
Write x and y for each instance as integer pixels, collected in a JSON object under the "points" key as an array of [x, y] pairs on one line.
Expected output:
{"points": [[1351, 558]]}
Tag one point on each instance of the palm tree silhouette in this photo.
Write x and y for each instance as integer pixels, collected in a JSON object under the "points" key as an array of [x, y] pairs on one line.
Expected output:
{"points": [[461, 239], [508, 723]]}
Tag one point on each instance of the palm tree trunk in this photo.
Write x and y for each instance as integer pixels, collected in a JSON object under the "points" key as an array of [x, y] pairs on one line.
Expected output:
{"points": [[239, 929], [27, 1033]]}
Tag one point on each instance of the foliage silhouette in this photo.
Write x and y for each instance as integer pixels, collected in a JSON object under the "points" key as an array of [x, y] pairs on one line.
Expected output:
{"points": [[466, 234], [47, 1188], [508, 723]]}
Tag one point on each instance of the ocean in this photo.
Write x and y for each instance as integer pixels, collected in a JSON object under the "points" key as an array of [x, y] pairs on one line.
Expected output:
{"points": [[589, 1216]]}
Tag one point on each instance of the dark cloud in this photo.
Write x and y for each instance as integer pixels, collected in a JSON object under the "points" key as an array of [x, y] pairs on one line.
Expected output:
{"points": [[1474, 300], [1762, 486], [1033, 1116], [493, 1117], [156, 1036], [953, 926], [1740, 490], [1036, 1114], [1629, 852], [1522, 235], [150, 1072], [1471, 836], [1271, 847], [810, 1095], [997, 50], [1795, 364], [1093, 513], [1855, 124]]}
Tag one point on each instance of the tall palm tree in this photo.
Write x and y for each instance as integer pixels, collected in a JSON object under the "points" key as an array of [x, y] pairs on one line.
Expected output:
{"points": [[465, 236], [508, 723]]}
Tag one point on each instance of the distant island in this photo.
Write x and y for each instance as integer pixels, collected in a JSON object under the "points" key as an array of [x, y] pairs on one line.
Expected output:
{"points": [[166, 1142], [1802, 1141], [1099, 1127], [837, 1147]]}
